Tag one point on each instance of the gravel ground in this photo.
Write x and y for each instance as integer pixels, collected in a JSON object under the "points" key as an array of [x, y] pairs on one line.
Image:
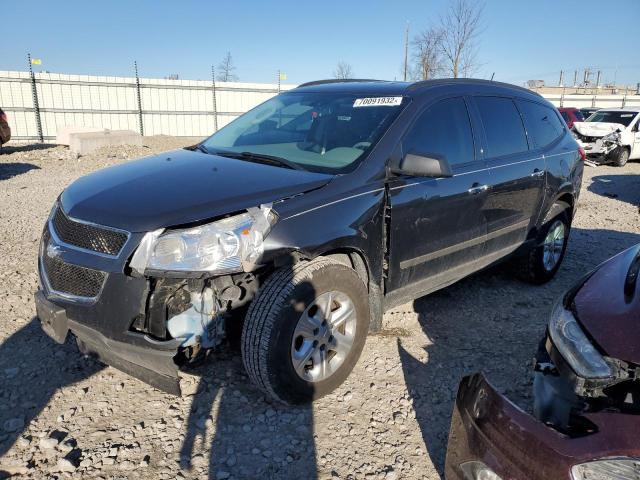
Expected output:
{"points": [[65, 416]]}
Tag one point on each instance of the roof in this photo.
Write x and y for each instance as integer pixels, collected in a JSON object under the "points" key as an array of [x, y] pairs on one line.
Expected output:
{"points": [[625, 109], [385, 87]]}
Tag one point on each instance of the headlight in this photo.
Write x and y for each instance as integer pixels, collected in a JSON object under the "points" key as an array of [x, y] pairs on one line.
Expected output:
{"points": [[229, 245], [612, 137], [608, 469], [574, 346], [478, 471]]}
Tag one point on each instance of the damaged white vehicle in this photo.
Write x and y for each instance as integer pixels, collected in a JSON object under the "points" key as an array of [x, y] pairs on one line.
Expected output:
{"points": [[611, 136]]}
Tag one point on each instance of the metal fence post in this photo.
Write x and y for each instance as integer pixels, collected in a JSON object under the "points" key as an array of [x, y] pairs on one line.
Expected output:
{"points": [[36, 106], [135, 65], [215, 105]]}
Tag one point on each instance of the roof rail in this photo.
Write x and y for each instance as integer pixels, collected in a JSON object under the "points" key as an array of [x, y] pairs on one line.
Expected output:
{"points": [[478, 81], [338, 80]]}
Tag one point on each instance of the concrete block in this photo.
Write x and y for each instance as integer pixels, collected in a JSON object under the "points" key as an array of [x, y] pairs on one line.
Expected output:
{"points": [[83, 143], [63, 133]]}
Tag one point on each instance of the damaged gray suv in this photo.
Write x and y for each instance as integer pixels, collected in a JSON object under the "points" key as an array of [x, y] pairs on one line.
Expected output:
{"points": [[294, 227]]}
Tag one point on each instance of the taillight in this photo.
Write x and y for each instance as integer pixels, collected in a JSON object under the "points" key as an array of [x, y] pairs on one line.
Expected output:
{"points": [[583, 154]]}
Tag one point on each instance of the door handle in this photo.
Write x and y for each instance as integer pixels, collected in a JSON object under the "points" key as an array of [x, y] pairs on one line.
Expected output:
{"points": [[477, 188], [537, 173]]}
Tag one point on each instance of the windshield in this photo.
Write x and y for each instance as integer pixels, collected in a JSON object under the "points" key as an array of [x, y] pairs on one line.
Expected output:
{"points": [[324, 132], [625, 118]]}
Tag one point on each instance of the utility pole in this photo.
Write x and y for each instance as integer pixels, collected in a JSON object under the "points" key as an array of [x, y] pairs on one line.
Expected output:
{"points": [[406, 51], [575, 78], [36, 105], [598, 79], [560, 83], [135, 66]]}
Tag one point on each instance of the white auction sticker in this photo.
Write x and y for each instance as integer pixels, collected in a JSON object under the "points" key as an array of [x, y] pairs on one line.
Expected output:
{"points": [[377, 102]]}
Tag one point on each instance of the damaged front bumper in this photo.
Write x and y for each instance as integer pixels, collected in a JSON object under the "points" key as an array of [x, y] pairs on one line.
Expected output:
{"points": [[489, 431], [147, 327], [599, 148], [140, 356]]}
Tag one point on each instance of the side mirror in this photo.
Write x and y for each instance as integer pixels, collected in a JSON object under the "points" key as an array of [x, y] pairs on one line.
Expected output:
{"points": [[421, 165]]}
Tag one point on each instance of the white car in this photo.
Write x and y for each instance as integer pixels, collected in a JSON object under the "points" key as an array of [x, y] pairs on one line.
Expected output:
{"points": [[611, 134]]}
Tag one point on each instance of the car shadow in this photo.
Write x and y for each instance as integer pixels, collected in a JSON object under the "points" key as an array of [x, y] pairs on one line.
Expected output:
{"points": [[28, 385], [490, 322], [27, 147], [625, 188], [235, 430], [247, 433], [13, 169], [232, 429]]}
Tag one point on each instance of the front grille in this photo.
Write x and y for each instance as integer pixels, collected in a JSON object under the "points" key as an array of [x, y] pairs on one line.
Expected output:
{"points": [[89, 237], [70, 279]]}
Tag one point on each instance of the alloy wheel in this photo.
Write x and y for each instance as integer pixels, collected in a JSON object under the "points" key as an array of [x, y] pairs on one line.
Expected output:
{"points": [[323, 336]]}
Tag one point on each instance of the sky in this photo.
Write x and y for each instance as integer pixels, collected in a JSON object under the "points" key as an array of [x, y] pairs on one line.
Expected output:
{"points": [[521, 40]]}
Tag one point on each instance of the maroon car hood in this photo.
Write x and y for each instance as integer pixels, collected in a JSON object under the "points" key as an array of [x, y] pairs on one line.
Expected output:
{"points": [[608, 314]]}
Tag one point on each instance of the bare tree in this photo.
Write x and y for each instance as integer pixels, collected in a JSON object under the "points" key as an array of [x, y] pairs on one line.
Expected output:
{"points": [[460, 28], [226, 69], [343, 71], [428, 54]]}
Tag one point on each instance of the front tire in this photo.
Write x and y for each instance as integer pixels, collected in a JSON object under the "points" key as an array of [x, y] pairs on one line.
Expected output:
{"points": [[542, 262], [305, 330], [620, 156]]}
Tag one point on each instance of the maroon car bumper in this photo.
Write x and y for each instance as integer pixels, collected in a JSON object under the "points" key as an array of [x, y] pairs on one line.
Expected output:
{"points": [[488, 428]]}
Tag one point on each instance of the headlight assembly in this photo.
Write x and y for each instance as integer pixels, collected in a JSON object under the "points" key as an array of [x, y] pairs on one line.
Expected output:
{"points": [[475, 470], [607, 469], [575, 347], [228, 245], [613, 137]]}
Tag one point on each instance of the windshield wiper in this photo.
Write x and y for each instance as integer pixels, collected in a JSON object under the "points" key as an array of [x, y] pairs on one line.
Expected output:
{"points": [[198, 146], [262, 158]]}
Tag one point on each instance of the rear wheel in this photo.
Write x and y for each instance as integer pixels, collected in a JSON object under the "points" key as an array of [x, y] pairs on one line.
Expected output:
{"points": [[305, 330], [541, 263], [620, 156]]}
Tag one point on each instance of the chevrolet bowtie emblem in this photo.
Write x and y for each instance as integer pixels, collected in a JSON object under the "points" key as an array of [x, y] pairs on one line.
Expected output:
{"points": [[53, 251]]}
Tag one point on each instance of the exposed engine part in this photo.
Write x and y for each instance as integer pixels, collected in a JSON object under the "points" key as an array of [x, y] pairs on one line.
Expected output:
{"points": [[201, 323], [561, 398]]}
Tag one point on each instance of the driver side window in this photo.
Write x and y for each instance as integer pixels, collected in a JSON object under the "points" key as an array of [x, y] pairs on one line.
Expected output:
{"points": [[443, 129]]}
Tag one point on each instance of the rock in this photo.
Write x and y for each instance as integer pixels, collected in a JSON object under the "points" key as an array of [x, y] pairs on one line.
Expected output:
{"points": [[222, 475], [48, 443], [65, 465]]}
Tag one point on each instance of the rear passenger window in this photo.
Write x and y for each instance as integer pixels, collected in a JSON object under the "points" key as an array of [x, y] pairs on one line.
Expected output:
{"points": [[443, 129], [543, 123], [502, 125]]}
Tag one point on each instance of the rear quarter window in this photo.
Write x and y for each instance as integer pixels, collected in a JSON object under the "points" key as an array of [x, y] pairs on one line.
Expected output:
{"points": [[502, 125], [543, 124]]}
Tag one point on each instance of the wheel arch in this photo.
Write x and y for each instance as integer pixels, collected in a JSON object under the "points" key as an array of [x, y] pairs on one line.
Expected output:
{"points": [[564, 199]]}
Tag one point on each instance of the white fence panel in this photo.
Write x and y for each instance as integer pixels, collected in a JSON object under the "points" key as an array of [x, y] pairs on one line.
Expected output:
{"points": [[169, 107]]}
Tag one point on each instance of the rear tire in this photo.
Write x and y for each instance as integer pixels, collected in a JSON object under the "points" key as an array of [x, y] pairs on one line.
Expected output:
{"points": [[274, 337], [620, 156], [540, 264]]}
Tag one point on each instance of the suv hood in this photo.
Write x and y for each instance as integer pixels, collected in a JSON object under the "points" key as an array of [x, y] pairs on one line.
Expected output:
{"points": [[609, 314], [597, 129], [180, 187]]}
